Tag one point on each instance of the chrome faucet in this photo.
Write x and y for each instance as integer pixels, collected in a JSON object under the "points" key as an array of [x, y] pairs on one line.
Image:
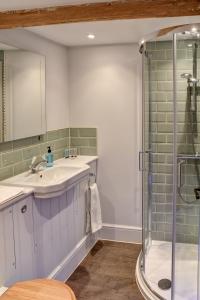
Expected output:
{"points": [[37, 161]]}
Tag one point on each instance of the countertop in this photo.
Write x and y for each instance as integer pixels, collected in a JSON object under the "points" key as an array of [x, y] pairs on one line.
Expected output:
{"points": [[80, 160], [83, 159]]}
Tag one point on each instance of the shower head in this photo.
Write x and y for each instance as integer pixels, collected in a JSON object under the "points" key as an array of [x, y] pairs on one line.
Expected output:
{"points": [[194, 80], [187, 76], [192, 45]]}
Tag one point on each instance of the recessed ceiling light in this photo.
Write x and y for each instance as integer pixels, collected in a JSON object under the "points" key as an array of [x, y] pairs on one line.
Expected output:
{"points": [[194, 29], [189, 45], [91, 36]]}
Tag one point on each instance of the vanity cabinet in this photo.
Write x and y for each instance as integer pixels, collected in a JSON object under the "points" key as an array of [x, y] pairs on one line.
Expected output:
{"points": [[45, 237]]}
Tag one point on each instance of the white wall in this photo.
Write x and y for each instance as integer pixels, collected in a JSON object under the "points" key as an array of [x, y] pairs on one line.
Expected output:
{"points": [[100, 86], [104, 92], [57, 101]]}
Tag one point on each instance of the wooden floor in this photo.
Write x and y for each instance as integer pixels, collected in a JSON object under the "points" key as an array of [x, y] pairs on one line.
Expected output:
{"points": [[107, 273]]}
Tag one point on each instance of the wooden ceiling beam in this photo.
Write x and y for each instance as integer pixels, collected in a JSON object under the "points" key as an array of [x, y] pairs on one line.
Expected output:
{"points": [[117, 10]]}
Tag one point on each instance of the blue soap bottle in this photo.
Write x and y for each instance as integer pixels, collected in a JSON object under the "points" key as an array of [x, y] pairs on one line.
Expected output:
{"points": [[49, 157]]}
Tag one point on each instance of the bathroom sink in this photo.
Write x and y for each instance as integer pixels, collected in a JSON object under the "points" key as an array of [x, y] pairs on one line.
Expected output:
{"points": [[50, 181], [51, 175]]}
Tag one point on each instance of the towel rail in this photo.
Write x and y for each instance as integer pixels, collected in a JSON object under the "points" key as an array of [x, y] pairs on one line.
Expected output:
{"points": [[92, 175]]}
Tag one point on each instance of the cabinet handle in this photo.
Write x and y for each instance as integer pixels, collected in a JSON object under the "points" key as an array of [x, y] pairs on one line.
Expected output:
{"points": [[24, 209]]}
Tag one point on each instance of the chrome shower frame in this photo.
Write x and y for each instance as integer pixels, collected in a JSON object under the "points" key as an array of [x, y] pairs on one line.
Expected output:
{"points": [[194, 83], [195, 91]]}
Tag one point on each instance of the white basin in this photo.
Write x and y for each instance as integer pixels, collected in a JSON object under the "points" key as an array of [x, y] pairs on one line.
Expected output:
{"points": [[51, 175], [50, 181]]}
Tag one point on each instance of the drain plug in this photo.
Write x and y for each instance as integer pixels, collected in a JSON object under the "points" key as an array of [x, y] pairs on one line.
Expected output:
{"points": [[164, 284]]}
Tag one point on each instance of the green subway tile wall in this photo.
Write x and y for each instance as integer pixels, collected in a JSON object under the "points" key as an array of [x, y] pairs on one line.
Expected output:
{"points": [[16, 156], [85, 140], [161, 81]]}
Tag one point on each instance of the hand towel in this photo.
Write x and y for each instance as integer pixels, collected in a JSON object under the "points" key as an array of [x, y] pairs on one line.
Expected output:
{"points": [[96, 219], [9, 192], [88, 215]]}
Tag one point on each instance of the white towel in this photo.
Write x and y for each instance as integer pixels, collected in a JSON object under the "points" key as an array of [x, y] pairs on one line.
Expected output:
{"points": [[96, 219], [88, 215], [9, 192]]}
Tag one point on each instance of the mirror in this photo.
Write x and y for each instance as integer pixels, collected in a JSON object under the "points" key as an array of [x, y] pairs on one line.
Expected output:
{"points": [[22, 94]]}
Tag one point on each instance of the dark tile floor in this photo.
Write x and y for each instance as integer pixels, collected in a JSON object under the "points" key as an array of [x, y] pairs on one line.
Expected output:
{"points": [[107, 273]]}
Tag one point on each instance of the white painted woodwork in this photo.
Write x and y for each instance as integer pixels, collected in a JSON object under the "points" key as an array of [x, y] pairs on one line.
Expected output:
{"points": [[121, 233], [24, 239], [7, 247], [24, 79], [47, 240], [59, 227], [54, 231], [56, 77]]}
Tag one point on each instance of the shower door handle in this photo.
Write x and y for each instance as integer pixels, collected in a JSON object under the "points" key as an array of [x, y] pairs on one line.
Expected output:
{"points": [[179, 180], [141, 160]]}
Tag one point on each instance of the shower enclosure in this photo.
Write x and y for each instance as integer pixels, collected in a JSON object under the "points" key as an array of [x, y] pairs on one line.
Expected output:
{"points": [[169, 264]]}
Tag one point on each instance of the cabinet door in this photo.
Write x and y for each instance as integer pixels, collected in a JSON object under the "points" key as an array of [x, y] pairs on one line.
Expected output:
{"points": [[7, 248], [24, 239], [43, 236]]}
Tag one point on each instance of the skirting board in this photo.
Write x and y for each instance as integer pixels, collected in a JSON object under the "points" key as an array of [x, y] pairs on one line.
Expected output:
{"points": [[121, 233], [118, 233], [75, 257]]}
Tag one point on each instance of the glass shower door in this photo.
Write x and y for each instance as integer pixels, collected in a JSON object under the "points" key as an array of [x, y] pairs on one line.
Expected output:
{"points": [[145, 157], [186, 225]]}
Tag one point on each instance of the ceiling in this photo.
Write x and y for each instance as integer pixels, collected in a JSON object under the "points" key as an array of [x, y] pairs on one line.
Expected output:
{"points": [[6, 47], [108, 32], [28, 4]]}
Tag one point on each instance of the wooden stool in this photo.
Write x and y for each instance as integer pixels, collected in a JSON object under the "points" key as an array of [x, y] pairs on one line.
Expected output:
{"points": [[39, 289]]}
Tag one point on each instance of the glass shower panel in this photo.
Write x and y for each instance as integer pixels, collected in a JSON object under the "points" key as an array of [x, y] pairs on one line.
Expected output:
{"points": [[158, 164], [188, 165], [159, 257], [145, 163]]}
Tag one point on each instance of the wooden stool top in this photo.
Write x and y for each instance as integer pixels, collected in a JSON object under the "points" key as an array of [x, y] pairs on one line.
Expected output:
{"points": [[39, 289]]}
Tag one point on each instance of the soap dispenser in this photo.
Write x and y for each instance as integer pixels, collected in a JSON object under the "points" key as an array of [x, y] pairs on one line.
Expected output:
{"points": [[49, 157]]}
